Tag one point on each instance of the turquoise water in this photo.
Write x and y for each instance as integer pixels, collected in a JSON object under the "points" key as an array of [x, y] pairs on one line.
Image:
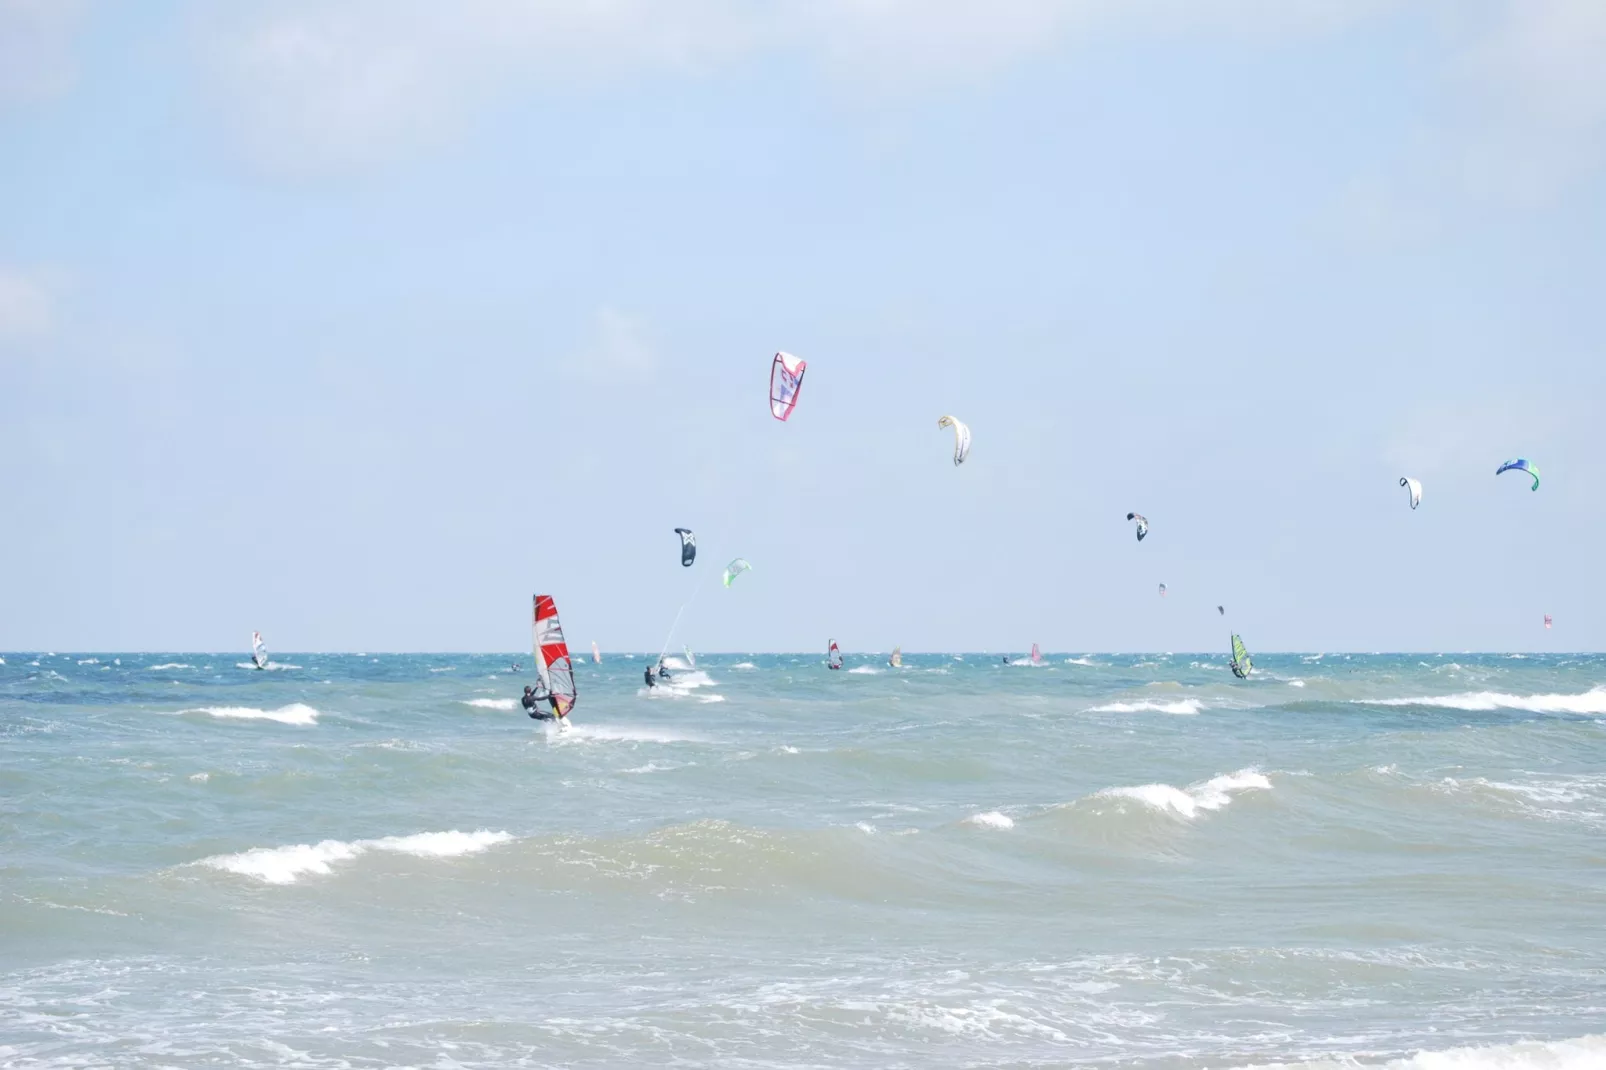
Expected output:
{"points": [[1133, 861]]}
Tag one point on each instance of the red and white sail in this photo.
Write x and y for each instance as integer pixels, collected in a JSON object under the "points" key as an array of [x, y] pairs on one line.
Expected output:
{"points": [[833, 655], [786, 382], [552, 655]]}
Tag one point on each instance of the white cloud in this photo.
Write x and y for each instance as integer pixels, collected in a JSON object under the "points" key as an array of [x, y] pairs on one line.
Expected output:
{"points": [[618, 348], [25, 311], [36, 55]]}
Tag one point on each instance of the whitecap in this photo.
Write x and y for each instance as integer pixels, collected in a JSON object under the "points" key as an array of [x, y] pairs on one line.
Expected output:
{"points": [[1188, 803], [490, 703], [1180, 706], [865, 827], [285, 865], [90, 661], [296, 713], [169, 666], [744, 665], [864, 670], [621, 734], [1582, 1053], [991, 819], [272, 666], [1592, 701]]}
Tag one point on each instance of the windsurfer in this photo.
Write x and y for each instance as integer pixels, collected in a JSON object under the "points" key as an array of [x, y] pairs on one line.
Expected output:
{"points": [[531, 702]]}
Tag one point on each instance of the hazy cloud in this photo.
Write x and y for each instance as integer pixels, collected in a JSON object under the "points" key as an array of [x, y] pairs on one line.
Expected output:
{"points": [[36, 47], [25, 311]]}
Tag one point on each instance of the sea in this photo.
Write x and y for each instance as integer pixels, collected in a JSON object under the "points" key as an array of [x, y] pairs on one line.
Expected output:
{"points": [[1133, 861]]}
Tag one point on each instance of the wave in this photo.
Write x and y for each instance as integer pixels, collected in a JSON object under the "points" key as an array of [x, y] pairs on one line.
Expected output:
{"points": [[167, 666], [491, 703], [623, 734], [1081, 661], [449, 668], [285, 865], [1188, 803], [864, 670], [1180, 706], [90, 661], [296, 713], [272, 666], [744, 665], [1582, 1053], [992, 819], [1592, 701]]}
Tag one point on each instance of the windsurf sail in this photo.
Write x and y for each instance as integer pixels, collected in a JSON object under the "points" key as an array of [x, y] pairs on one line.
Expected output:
{"points": [[1547, 622], [833, 656], [691, 659], [1521, 465], [1415, 488], [1037, 655], [259, 651], [1162, 590], [1241, 665], [1143, 524], [552, 655], [961, 438], [734, 569], [896, 661], [596, 655], [786, 382], [688, 546]]}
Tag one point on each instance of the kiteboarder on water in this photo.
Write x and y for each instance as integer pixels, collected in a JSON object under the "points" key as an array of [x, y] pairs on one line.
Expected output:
{"points": [[663, 670], [646, 674]]}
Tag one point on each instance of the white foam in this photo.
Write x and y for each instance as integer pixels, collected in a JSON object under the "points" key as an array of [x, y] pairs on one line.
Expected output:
{"points": [[167, 666], [296, 713], [90, 661], [272, 666], [744, 665], [200, 778], [1080, 661], [449, 668], [491, 703], [710, 698], [1180, 706], [285, 865], [865, 827], [864, 670], [1592, 701], [623, 734], [1296, 683], [1582, 1053], [992, 819], [672, 662], [1189, 802]]}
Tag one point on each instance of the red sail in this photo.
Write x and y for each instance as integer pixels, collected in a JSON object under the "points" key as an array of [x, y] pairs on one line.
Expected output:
{"points": [[552, 655]]}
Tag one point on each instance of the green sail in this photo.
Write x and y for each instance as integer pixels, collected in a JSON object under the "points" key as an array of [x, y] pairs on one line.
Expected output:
{"points": [[1241, 665]]}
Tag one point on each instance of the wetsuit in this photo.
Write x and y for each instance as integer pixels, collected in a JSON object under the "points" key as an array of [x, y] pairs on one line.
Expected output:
{"points": [[530, 700], [647, 675]]}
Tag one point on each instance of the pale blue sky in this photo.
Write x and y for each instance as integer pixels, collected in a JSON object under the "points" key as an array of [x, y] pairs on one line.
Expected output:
{"points": [[358, 323]]}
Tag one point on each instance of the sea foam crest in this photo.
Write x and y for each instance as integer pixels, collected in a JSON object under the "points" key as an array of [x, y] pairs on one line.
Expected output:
{"points": [[1583, 1053], [286, 865], [491, 703], [1177, 706], [296, 713], [1190, 802], [992, 819], [1592, 701]]}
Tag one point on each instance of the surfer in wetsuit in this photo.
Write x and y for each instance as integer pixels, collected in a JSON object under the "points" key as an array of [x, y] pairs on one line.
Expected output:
{"points": [[663, 670], [531, 702], [646, 674]]}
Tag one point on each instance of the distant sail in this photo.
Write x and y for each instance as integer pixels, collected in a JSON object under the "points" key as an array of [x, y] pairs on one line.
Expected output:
{"points": [[896, 661], [259, 651], [691, 659], [1241, 665], [1037, 655], [596, 655], [552, 655], [1547, 622], [833, 656], [1162, 590]]}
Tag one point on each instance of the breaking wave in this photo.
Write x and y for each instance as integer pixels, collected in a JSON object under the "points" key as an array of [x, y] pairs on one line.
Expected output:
{"points": [[1180, 706], [296, 713], [286, 865], [1592, 701], [1190, 802]]}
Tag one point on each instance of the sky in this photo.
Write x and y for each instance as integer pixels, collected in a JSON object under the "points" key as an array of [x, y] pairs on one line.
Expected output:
{"points": [[359, 323]]}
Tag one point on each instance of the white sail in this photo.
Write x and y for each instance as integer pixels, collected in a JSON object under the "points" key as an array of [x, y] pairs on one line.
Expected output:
{"points": [[259, 651]]}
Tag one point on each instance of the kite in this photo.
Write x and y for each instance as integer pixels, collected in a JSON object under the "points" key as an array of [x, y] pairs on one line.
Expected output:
{"points": [[734, 569], [1143, 524], [1162, 590], [786, 381], [1415, 486], [1521, 465], [961, 438], [688, 546], [1547, 622]]}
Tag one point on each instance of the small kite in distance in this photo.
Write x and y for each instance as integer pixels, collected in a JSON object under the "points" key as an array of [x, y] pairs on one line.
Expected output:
{"points": [[1415, 487], [1222, 610], [1547, 622], [961, 438], [1521, 465], [1143, 524], [688, 546], [786, 382], [1162, 590], [734, 569]]}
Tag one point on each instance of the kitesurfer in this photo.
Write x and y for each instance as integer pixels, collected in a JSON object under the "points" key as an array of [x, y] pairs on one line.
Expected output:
{"points": [[663, 670], [646, 674]]}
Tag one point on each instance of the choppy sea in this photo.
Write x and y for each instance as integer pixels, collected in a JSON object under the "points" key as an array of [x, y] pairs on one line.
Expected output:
{"points": [[1125, 861]]}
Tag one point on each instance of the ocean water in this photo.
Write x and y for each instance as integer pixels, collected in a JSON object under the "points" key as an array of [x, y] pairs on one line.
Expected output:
{"points": [[1109, 861]]}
